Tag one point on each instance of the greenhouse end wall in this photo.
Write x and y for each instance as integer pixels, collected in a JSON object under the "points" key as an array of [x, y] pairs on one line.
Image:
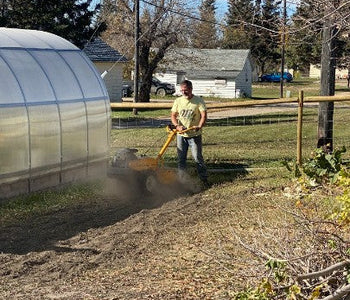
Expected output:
{"points": [[54, 113]]}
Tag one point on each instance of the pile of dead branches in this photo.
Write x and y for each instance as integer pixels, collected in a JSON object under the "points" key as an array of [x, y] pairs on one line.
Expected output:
{"points": [[299, 255]]}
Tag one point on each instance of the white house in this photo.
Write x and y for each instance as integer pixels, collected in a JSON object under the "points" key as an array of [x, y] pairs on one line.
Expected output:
{"points": [[214, 72], [110, 63]]}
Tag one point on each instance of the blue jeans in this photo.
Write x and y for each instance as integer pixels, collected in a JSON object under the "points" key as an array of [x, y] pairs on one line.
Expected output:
{"points": [[196, 149]]}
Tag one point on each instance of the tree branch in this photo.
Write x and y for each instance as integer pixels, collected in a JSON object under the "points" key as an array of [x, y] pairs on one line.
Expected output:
{"points": [[339, 294], [335, 267]]}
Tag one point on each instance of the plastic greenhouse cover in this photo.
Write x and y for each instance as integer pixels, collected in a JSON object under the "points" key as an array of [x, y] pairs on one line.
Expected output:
{"points": [[54, 107], [63, 81], [32, 39]]}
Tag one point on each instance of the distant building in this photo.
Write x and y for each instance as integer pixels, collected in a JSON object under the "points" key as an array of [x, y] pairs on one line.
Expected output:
{"points": [[315, 72], [107, 59], [213, 72]]}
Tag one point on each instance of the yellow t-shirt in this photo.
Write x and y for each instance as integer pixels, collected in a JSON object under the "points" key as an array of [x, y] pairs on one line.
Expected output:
{"points": [[189, 113]]}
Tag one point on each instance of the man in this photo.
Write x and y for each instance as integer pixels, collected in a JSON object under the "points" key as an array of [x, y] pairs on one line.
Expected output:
{"points": [[190, 111]]}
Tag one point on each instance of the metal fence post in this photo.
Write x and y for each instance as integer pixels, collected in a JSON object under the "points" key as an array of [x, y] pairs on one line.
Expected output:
{"points": [[300, 127]]}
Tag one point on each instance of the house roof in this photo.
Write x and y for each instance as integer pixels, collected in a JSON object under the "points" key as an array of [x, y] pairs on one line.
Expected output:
{"points": [[206, 62], [98, 50]]}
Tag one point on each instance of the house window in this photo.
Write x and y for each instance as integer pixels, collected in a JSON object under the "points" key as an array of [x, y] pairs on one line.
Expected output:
{"points": [[220, 81]]}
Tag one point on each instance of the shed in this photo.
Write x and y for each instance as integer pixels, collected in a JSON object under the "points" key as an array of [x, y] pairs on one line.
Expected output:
{"points": [[54, 113], [110, 63], [213, 72]]}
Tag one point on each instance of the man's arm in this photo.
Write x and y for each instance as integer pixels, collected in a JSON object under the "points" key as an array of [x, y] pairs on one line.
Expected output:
{"points": [[203, 119], [174, 121], [174, 118]]}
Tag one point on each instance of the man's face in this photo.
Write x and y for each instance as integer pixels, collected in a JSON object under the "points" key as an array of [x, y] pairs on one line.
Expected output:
{"points": [[186, 91]]}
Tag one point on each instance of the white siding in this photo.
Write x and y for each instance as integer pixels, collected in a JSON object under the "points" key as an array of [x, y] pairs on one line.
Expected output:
{"points": [[208, 88], [315, 72], [113, 79]]}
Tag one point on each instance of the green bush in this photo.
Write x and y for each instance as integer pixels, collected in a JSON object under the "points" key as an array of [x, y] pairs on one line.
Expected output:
{"points": [[324, 167]]}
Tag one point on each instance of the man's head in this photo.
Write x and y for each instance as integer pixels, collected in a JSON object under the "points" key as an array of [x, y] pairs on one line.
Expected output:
{"points": [[186, 89]]}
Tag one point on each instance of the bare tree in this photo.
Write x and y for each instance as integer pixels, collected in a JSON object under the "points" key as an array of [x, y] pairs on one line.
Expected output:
{"points": [[163, 23]]}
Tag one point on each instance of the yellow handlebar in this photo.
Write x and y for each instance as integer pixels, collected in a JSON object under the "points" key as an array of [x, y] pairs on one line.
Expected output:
{"points": [[187, 129], [172, 132], [171, 128]]}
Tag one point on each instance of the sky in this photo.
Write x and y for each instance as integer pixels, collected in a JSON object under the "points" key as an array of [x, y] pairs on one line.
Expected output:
{"points": [[221, 7]]}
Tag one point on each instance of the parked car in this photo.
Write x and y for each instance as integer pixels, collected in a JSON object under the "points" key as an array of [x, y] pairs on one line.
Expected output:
{"points": [[162, 88], [276, 77]]}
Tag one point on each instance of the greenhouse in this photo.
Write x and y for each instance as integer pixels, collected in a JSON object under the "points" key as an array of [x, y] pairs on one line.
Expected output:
{"points": [[54, 113]]}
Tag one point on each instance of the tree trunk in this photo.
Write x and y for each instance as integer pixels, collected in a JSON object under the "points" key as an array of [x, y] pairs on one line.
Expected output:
{"points": [[145, 88], [326, 109], [146, 73]]}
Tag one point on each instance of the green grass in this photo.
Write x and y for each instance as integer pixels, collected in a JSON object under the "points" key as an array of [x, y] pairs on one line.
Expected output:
{"points": [[255, 142], [224, 146], [36, 204], [271, 90]]}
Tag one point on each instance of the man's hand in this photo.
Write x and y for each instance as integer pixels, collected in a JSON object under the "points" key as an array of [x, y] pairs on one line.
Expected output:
{"points": [[180, 128]]}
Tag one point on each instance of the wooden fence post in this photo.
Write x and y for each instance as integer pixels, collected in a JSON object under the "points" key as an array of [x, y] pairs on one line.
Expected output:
{"points": [[300, 127]]}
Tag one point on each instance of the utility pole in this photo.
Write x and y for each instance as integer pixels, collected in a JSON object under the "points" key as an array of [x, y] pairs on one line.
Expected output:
{"points": [[283, 40], [137, 53]]}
